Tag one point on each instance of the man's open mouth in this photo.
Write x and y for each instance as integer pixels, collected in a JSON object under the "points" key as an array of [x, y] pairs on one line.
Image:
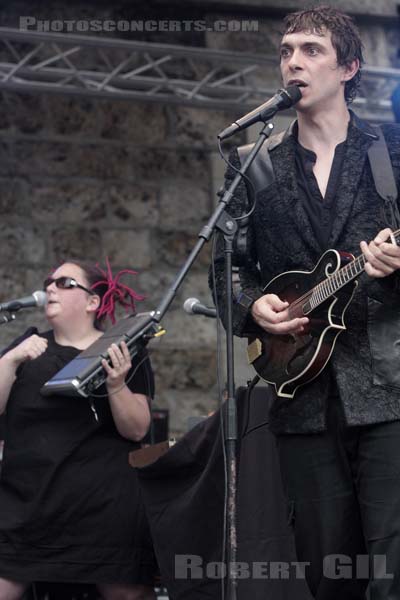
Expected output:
{"points": [[297, 82]]}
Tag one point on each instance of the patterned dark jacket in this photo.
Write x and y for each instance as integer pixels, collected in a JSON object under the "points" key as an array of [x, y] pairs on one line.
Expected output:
{"points": [[279, 238]]}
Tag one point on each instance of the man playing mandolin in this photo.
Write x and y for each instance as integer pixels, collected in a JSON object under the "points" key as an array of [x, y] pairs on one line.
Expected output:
{"points": [[328, 336]]}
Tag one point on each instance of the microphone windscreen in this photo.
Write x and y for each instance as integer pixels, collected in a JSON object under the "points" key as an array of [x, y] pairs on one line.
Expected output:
{"points": [[188, 305], [40, 297], [294, 93]]}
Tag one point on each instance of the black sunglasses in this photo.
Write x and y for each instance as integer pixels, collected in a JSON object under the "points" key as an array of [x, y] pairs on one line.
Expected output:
{"points": [[65, 283]]}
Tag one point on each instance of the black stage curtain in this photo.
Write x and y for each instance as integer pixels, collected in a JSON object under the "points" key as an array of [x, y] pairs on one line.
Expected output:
{"points": [[183, 493]]}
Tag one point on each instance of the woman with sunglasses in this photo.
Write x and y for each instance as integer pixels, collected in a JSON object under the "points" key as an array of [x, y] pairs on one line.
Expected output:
{"points": [[70, 508]]}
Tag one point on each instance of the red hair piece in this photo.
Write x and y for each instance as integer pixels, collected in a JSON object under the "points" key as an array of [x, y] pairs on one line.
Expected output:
{"points": [[117, 292]]}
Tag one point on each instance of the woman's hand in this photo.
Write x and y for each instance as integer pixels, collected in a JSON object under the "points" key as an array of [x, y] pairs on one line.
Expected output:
{"points": [[119, 368], [130, 410], [31, 348]]}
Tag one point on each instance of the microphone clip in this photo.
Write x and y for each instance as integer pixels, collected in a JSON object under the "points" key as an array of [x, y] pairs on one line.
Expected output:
{"points": [[7, 318]]}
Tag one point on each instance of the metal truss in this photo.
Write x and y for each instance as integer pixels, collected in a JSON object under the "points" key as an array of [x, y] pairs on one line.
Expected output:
{"points": [[152, 72]]}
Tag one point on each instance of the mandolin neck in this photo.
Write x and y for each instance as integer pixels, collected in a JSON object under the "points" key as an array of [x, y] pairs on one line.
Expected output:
{"points": [[332, 284]]}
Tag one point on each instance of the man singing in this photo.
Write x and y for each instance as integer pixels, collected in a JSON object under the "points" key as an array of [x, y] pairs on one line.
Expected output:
{"points": [[339, 436]]}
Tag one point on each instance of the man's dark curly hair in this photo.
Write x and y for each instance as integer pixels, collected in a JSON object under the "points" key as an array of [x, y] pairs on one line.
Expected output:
{"points": [[344, 34]]}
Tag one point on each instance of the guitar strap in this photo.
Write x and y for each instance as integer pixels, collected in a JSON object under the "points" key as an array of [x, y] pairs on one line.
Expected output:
{"points": [[261, 175], [385, 183], [260, 172]]}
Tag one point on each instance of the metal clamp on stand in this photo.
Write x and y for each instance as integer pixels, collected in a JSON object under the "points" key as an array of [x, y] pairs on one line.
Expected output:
{"points": [[7, 318]]}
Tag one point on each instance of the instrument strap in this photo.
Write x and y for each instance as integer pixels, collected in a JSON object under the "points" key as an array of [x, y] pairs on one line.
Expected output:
{"points": [[261, 175], [385, 183], [260, 172]]}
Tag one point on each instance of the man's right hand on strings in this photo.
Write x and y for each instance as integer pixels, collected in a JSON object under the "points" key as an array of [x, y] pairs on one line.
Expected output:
{"points": [[271, 313]]}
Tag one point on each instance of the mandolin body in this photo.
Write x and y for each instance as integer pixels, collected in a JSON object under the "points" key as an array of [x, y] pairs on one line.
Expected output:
{"points": [[291, 360]]}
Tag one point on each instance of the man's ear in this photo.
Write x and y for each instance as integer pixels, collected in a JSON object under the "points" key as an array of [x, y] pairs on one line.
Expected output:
{"points": [[351, 69]]}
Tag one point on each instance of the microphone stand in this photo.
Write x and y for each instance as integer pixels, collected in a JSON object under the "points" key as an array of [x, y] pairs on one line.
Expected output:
{"points": [[222, 221]]}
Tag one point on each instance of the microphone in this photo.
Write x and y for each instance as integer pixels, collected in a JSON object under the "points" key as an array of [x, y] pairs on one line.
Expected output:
{"points": [[38, 298], [193, 306], [284, 98]]}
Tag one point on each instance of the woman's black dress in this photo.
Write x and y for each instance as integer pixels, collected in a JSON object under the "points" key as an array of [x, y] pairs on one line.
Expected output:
{"points": [[70, 507]]}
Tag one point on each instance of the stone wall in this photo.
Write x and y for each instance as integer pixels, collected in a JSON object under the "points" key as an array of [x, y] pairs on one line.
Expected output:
{"points": [[128, 180]]}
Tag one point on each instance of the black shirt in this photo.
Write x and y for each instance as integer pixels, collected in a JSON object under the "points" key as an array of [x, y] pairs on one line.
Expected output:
{"points": [[320, 210]]}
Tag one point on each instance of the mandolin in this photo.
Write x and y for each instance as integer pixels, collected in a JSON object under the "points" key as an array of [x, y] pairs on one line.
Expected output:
{"points": [[290, 360]]}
